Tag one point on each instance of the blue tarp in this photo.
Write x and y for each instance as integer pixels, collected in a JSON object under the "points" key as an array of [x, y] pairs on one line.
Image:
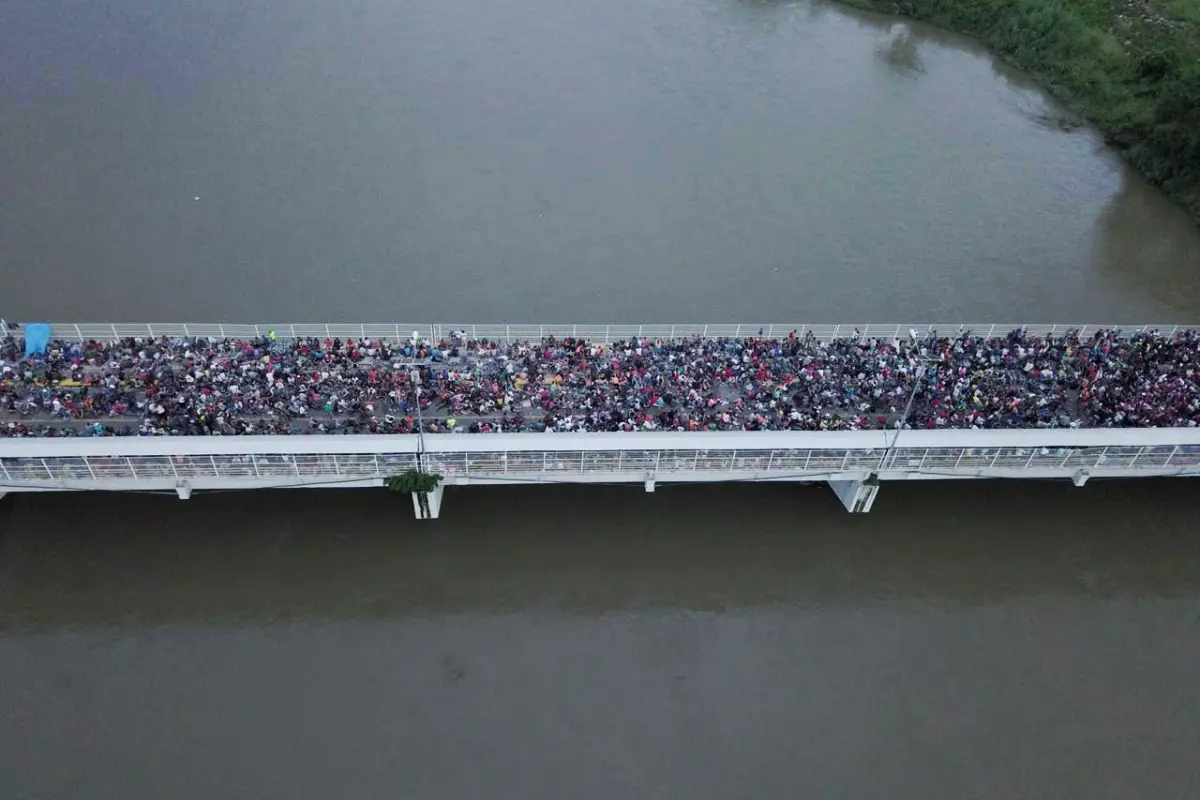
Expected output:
{"points": [[37, 336]]}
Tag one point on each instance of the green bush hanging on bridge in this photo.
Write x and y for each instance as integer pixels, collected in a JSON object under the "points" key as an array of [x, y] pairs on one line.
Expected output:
{"points": [[416, 482]]}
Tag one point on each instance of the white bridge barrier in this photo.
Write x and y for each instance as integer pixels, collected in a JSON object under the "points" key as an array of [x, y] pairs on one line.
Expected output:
{"points": [[853, 462], [505, 332]]}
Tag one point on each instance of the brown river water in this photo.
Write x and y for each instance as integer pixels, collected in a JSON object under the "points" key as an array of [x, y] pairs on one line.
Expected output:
{"points": [[674, 160]]}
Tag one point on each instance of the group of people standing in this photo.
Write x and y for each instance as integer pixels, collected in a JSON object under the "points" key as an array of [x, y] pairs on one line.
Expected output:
{"points": [[202, 386]]}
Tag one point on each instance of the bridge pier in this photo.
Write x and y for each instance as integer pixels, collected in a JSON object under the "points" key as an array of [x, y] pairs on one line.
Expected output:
{"points": [[434, 500], [184, 490], [856, 496]]}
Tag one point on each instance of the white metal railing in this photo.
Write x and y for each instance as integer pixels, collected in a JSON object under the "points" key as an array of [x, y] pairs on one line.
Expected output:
{"points": [[562, 464], [593, 332], [281, 465]]}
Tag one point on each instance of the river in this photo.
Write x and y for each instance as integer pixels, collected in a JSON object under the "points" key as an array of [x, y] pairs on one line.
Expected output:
{"points": [[983, 641], [676, 160], [625, 161]]}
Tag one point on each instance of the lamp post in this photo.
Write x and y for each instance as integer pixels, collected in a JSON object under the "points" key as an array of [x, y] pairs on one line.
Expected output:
{"points": [[415, 376], [918, 375]]}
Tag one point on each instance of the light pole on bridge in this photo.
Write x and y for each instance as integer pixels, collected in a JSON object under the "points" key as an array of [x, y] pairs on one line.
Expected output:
{"points": [[912, 396], [415, 376], [918, 375]]}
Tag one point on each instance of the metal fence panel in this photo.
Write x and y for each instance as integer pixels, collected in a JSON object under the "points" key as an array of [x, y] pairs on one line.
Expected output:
{"points": [[274, 466], [564, 461], [830, 460], [1155, 457], [399, 331], [751, 460], [791, 460], [485, 464], [865, 460], [447, 463], [525, 461]]}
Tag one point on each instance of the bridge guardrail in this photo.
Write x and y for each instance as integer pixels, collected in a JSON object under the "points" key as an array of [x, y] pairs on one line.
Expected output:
{"points": [[562, 464], [506, 332]]}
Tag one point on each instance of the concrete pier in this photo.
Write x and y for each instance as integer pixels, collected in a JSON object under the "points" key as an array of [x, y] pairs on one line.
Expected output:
{"points": [[433, 500], [857, 496]]}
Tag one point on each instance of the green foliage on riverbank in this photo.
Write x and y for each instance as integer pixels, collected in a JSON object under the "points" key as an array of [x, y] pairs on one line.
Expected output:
{"points": [[1132, 67]]}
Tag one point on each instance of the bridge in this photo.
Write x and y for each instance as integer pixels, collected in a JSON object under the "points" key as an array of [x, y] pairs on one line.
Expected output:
{"points": [[855, 464]]}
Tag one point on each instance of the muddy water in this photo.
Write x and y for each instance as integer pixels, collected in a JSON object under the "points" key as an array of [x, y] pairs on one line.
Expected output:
{"points": [[623, 161]]}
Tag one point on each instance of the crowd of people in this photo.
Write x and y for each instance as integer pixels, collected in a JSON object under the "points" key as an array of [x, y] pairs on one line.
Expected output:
{"points": [[301, 386]]}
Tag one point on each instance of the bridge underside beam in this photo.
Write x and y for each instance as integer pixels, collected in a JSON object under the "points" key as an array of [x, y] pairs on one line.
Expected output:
{"points": [[856, 496]]}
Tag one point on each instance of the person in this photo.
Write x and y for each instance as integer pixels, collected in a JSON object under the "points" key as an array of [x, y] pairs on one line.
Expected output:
{"points": [[206, 386]]}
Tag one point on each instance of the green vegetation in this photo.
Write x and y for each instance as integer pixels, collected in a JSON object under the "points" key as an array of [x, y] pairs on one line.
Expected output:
{"points": [[1131, 67], [418, 483]]}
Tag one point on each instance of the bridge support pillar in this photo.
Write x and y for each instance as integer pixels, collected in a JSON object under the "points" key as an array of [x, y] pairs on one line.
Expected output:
{"points": [[184, 490], [856, 496], [649, 484], [434, 502], [1080, 477]]}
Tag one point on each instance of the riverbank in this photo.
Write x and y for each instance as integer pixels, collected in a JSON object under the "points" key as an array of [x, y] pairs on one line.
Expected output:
{"points": [[1131, 67]]}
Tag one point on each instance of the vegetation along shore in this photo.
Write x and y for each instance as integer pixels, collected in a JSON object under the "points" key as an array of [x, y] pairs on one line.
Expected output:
{"points": [[1131, 67]]}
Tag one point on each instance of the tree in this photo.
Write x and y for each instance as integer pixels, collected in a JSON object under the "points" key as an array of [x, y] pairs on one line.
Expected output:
{"points": [[418, 483]]}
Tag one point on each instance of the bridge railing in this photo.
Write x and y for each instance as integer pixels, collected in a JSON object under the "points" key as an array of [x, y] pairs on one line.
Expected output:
{"points": [[505, 332], [562, 464]]}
